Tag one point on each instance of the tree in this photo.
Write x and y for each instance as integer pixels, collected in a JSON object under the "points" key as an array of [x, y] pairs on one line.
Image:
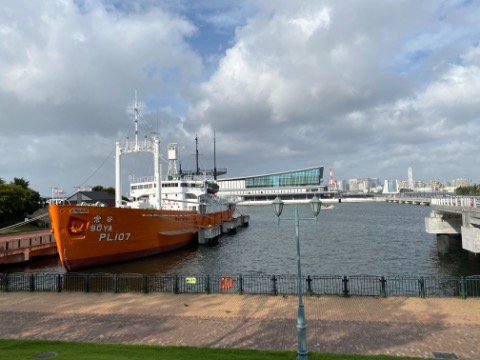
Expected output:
{"points": [[17, 200], [110, 190], [468, 190], [21, 182], [10, 200]]}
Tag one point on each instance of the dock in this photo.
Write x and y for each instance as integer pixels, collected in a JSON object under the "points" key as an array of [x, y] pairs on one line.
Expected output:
{"points": [[210, 235], [21, 247]]}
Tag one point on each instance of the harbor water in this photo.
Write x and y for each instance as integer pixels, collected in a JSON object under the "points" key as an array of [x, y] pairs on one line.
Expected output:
{"points": [[371, 238]]}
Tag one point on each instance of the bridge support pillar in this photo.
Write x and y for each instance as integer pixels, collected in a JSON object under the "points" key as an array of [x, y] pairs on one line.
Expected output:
{"points": [[471, 239]]}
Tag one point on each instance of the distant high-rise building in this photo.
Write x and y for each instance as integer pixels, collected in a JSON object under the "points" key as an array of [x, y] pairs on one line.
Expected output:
{"points": [[391, 187], [403, 184], [462, 182], [410, 178]]}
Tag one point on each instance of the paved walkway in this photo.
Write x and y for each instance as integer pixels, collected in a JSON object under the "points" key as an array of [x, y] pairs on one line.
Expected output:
{"points": [[363, 325]]}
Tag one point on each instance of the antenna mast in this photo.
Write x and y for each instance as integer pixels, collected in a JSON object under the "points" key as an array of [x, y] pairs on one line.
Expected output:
{"points": [[135, 112], [214, 159], [196, 154]]}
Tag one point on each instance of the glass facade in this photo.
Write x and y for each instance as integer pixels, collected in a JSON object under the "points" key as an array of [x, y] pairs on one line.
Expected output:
{"points": [[293, 178], [390, 187]]}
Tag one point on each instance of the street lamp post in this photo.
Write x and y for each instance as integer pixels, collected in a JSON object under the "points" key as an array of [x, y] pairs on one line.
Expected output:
{"points": [[315, 203]]}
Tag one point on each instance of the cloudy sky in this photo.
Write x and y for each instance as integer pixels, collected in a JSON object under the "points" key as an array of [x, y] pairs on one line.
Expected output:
{"points": [[367, 87]]}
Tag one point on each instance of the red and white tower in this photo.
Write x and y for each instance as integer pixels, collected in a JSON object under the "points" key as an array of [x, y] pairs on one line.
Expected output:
{"points": [[332, 184]]}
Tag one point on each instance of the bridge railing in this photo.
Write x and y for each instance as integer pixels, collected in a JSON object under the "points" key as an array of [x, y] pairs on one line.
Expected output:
{"points": [[457, 201]]}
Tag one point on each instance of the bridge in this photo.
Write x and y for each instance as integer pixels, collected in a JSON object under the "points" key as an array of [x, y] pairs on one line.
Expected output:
{"points": [[452, 217], [409, 200]]}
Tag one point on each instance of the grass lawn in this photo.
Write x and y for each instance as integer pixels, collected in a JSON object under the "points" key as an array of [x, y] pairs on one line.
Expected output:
{"points": [[57, 350]]}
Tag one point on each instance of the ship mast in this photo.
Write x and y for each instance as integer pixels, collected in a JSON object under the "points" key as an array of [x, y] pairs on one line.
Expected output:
{"points": [[135, 114], [151, 146], [196, 155]]}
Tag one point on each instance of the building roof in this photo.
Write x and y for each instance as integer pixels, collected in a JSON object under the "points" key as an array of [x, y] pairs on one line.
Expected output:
{"points": [[270, 174], [93, 195]]}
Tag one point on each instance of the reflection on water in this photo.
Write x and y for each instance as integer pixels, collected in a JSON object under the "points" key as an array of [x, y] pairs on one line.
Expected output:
{"points": [[358, 238], [458, 263], [165, 263]]}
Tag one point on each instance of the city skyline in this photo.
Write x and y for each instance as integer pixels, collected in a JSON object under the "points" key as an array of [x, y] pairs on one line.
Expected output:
{"points": [[349, 184], [375, 184]]}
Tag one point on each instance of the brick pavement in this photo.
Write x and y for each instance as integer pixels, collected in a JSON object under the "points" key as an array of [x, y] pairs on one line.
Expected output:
{"points": [[361, 325]]}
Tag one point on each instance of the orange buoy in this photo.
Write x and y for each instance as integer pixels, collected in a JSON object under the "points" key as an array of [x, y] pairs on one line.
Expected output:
{"points": [[226, 282]]}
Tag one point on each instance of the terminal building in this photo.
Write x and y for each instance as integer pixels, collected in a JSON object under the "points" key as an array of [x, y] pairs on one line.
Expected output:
{"points": [[301, 184]]}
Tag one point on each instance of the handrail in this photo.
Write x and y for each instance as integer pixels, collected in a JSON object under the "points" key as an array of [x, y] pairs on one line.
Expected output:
{"points": [[29, 220], [457, 201]]}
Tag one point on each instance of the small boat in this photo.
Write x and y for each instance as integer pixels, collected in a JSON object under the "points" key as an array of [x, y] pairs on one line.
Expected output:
{"points": [[327, 206], [162, 215]]}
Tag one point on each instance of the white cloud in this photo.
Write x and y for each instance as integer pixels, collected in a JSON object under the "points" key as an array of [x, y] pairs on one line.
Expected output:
{"points": [[63, 55], [369, 87], [336, 75], [311, 20]]}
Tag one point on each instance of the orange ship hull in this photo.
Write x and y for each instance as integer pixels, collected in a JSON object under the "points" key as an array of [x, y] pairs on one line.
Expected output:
{"points": [[89, 236]]}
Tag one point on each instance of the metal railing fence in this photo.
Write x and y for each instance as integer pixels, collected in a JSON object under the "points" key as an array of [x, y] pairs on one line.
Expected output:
{"points": [[355, 285], [457, 201]]}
